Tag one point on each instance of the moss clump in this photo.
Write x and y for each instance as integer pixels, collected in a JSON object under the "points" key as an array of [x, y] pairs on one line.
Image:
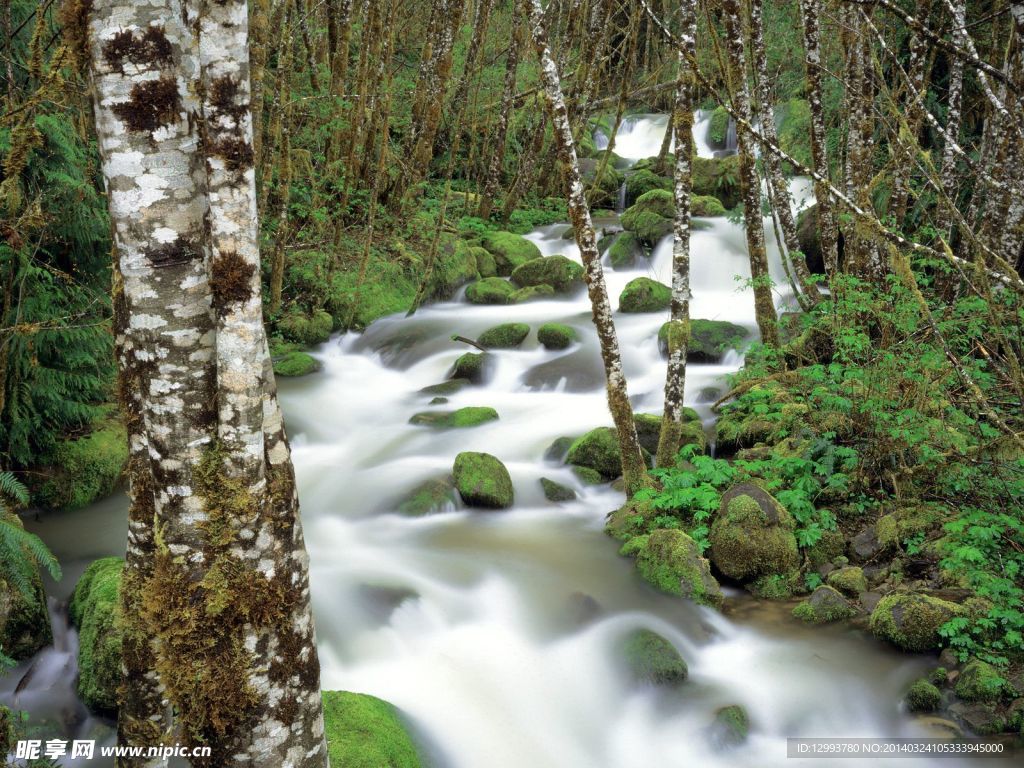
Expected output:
{"points": [[87, 468], [509, 250], [731, 726], [911, 621], [648, 430], [485, 265], [625, 250], [366, 732], [831, 545], [490, 290], [295, 364], [709, 339], [775, 586], [849, 580], [483, 481], [588, 476], [429, 496], [752, 535], [643, 181], [980, 681], [314, 328], [670, 560], [389, 286], [718, 127], [556, 492], [922, 696], [472, 367], [653, 659], [530, 293], [471, 416], [95, 608], [598, 450], [504, 336], [556, 335], [561, 273], [706, 205], [645, 295], [650, 217], [718, 177], [823, 606], [24, 621]]}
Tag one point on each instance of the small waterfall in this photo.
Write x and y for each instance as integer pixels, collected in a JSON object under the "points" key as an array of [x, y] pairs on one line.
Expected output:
{"points": [[731, 142], [600, 140], [620, 206]]}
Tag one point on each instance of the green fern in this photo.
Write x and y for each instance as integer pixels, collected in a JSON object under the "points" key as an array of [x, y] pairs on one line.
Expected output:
{"points": [[21, 552]]}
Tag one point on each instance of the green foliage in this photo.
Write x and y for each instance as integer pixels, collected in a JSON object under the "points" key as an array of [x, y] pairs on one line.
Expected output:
{"points": [[21, 553], [718, 127], [87, 468], [95, 608]]}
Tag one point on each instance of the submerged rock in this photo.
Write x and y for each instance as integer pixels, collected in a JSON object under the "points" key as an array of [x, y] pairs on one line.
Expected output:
{"points": [[429, 496], [472, 366], [509, 250], [449, 387], [561, 273], [530, 293], [671, 561], [922, 696], [731, 727], [366, 732], [625, 250], [504, 336], [644, 295], [490, 290], [653, 659], [558, 450], [470, 416], [823, 606], [556, 492], [752, 535], [483, 481], [911, 621], [556, 336], [95, 609]]}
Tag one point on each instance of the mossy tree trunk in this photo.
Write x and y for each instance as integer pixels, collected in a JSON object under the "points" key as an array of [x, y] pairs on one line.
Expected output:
{"points": [[500, 133], [226, 603], [679, 330], [634, 471], [954, 106]]}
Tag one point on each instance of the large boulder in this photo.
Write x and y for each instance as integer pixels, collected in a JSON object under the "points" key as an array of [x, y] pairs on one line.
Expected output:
{"points": [[556, 336], [823, 606], [366, 732], [625, 250], [509, 250], [640, 182], [482, 481], [650, 217], [598, 450], [644, 295], [671, 561], [653, 659], [95, 609], [561, 273], [911, 621], [490, 290], [470, 416], [504, 336], [752, 535]]}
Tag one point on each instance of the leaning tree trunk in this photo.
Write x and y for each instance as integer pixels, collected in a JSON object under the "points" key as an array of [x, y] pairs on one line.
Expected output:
{"points": [[634, 471], [679, 325], [750, 185], [828, 227], [227, 604]]}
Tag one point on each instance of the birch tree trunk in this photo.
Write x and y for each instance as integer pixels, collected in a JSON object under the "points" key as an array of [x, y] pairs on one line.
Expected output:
{"points": [[954, 105], [750, 185], [679, 325], [634, 471]]}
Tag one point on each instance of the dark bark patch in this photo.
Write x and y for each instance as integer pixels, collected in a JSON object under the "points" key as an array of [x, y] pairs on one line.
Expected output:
{"points": [[236, 153], [224, 98], [153, 104], [151, 47], [181, 251], [232, 280]]}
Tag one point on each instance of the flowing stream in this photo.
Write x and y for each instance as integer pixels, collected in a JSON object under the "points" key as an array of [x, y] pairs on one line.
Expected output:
{"points": [[497, 633]]}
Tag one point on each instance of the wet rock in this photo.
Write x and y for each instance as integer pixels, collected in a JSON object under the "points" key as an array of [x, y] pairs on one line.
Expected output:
{"points": [[509, 250], [429, 496], [490, 290], [709, 339], [449, 387], [849, 580], [362, 730], [752, 535], [472, 366], [980, 717], [556, 336], [640, 182], [558, 450], [922, 696], [869, 600], [582, 608], [504, 336], [625, 251], [646, 223], [556, 492], [485, 265], [653, 659], [531, 293], [95, 609], [482, 481], [381, 601], [644, 295], [588, 476], [561, 273], [730, 727], [438, 401], [865, 545], [471, 416], [314, 328], [980, 681], [671, 561], [598, 450], [911, 621], [577, 371], [823, 606], [295, 363], [717, 177]]}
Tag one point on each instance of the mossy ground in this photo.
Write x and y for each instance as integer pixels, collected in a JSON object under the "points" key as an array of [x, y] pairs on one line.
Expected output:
{"points": [[87, 468]]}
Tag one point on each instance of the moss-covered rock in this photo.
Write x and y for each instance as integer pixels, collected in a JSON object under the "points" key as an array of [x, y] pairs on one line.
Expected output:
{"points": [[659, 201], [24, 621], [709, 339], [640, 182], [470, 416], [485, 265], [922, 696], [731, 727], [625, 250], [509, 250], [648, 430], [671, 561], [556, 336], [831, 545], [598, 450], [708, 206], [95, 608], [309, 329], [718, 177], [429, 496], [911, 621], [752, 535], [644, 295], [602, 192], [295, 363], [653, 659], [849, 580], [472, 366], [8, 733], [455, 264], [589, 476], [449, 387], [556, 492], [775, 586], [718, 128], [648, 227], [483, 481], [87, 468], [504, 336], [823, 606], [490, 290], [366, 732], [980, 681], [530, 293], [561, 273]]}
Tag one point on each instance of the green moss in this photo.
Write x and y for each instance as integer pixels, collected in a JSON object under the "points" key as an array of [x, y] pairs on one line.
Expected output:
{"points": [[490, 290], [24, 620], [485, 265], [708, 339], [598, 450], [509, 250], [625, 250], [556, 335], [87, 468], [95, 608], [650, 217], [429, 496], [561, 273], [648, 430], [922, 696], [389, 286], [471, 416], [643, 181], [644, 295], [8, 733], [366, 732], [556, 491], [504, 336], [530, 293], [911, 621], [774, 586], [706, 205], [718, 127], [296, 364], [671, 561], [850, 580], [825, 605], [603, 193], [795, 131], [980, 681], [718, 177], [483, 481], [449, 387], [659, 201], [653, 659], [314, 328], [831, 545], [731, 726], [471, 366], [752, 535], [588, 476], [455, 264]]}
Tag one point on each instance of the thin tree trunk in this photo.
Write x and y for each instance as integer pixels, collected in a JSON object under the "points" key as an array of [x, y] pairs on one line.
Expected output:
{"points": [[954, 106], [634, 471], [679, 327], [508, 93]]}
